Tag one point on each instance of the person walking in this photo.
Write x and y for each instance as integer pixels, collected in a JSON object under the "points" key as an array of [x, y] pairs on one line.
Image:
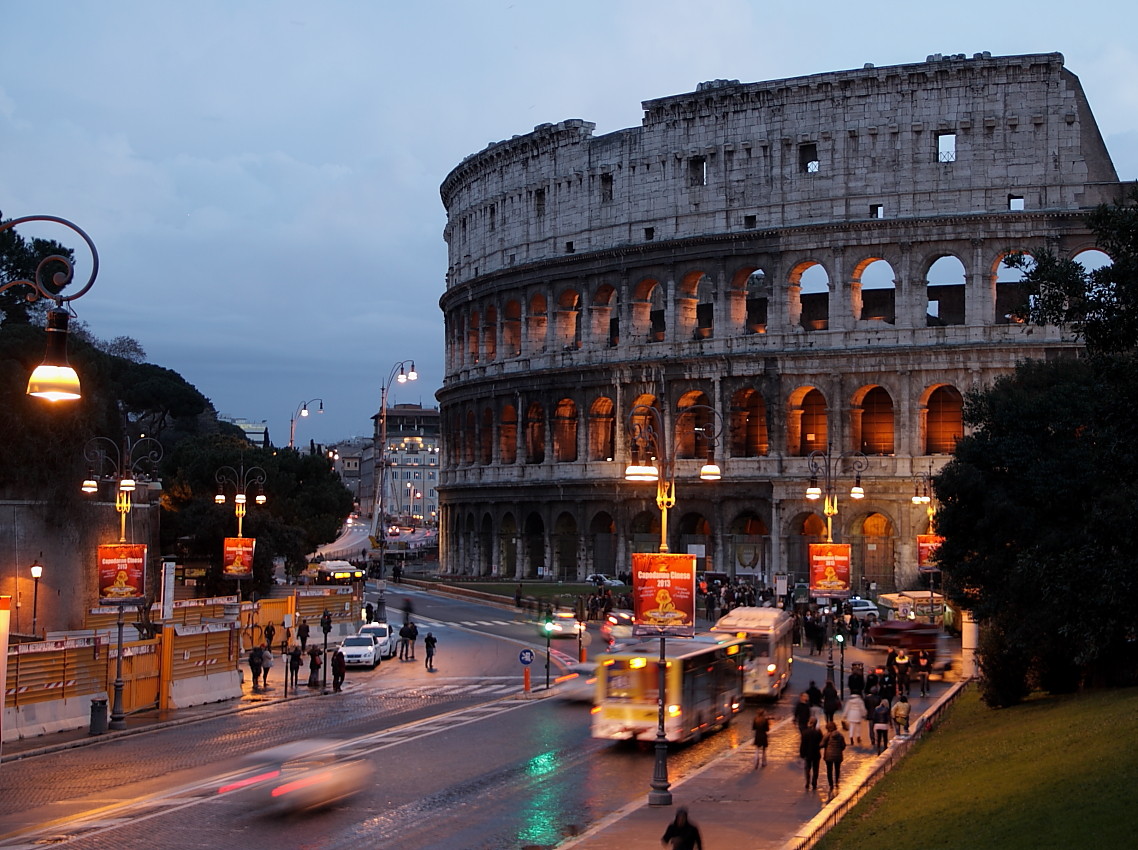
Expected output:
{"points": [[314, 663], [762, 726], [681, 833], [404, 641], [295, 660], [881, 726], [256, 658], [900, 715], [855, 714], [810, 751], [831, 702], [902, 666], [429, 642], [802, 712], [411, 642], [270, 633], [339, 668], [923, 665], [266, 663], [302, 634], [833, 746]]}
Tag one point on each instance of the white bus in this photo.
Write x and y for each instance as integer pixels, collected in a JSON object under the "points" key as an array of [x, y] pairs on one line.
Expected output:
{"points": [[703, 688], [769, 657]]}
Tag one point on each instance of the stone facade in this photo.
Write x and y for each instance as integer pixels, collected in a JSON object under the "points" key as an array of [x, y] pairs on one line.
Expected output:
{"points": [[818, 261]]}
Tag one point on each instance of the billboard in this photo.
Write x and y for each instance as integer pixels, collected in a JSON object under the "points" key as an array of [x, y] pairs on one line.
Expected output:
{"points": [[237, 557], [830, 569], [663, 594], [122, 571], [927, 544]]}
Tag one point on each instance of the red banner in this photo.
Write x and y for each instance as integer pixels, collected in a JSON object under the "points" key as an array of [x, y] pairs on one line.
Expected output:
{"points": [[927, 544], [122, 571], [237, 557], [663, 594], [830, 569]]}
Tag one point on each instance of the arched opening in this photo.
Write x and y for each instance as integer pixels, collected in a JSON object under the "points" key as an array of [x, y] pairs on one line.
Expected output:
{"points": [[565, 431], [814, 297], [565, 541], [758, 298], [472, 338], [808, 429], [508, 435], [535, 433], [944, 420], [747, 431], [490, 334], [871, 567], [804, 530], [695, 426], [486, 438], [944, 291], [512, 329], [602, 429], [750, 547], [877, 424], [534, 545], [602, 535], [877, 293], [469, 439], [1011, 296], [696, 538]]}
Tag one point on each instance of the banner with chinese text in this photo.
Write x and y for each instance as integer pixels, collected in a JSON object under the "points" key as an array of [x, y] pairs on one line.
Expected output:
{"points": [[830, 569], [663, 594], [122, 571], [237, 557], [927, 544]]}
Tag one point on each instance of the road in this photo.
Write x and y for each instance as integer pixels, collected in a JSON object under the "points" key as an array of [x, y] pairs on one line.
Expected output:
{"points": [[462, 759]]}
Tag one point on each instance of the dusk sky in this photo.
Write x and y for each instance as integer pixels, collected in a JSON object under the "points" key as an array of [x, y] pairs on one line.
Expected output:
{"points": [[262, 178]]}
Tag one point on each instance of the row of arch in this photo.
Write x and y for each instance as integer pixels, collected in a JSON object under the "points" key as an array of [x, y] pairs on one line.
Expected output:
{"points": [[695, 305], [567, 430]]}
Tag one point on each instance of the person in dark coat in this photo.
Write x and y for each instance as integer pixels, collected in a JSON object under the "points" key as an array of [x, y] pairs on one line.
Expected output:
{"points": [[810, 751], [339, 668], [295, 659], [802, 712], [314, 663], [302, 634], [831, 702], [256, 663], [762, 726], [681, 833], [833, 748], [814, 693], [856, 681]]}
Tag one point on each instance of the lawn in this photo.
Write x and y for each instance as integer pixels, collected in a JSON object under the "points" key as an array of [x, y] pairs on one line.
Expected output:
{"points": [[1055, 772]]}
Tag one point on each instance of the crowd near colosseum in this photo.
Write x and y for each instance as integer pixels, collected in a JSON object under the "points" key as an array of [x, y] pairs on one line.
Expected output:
{"points": [[764, 271]]}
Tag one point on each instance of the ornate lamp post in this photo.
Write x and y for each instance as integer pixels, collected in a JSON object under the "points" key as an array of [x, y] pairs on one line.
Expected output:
{"points": [[54, 379], [244, 482], [923, 496], [125, 467], [649, 442], [301, 412], [401, 373], [824, 466]]}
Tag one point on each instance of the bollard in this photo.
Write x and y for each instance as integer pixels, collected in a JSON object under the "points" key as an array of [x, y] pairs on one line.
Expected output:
{"points": [[525, 681], [98, 716]]}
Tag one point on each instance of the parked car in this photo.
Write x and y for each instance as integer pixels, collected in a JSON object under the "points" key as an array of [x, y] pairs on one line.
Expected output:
{"points": [[360, 651], [601, 580], [386, 637], [861, 607]]}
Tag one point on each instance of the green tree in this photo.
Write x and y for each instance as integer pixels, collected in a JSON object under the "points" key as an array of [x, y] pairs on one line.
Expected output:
{"points": [[1037, 512], [1101, 306]]}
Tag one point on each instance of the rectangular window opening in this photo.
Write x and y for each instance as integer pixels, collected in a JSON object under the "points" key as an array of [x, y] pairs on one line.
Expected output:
{"points": [[649, 234], [568, 247], [808, 158], [877, 210], [946, 147], [749, 222], [697, 171], [606, 187], [539, 202], [1015, 202]]}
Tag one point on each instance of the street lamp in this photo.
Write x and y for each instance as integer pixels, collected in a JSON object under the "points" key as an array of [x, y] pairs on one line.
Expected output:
{"points": [[36, 570], [126, 467], [54, 379], [301, 411], [923, 496], [136, 461], [401, 373], [825, 465], [243, 482], [649, 442]]}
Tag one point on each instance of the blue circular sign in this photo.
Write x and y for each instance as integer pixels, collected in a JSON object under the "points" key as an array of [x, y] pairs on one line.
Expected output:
{"points": [[526, 656]]}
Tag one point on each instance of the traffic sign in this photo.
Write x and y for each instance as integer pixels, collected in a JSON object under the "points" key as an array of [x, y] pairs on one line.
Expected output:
{"points": [[526, 656]]}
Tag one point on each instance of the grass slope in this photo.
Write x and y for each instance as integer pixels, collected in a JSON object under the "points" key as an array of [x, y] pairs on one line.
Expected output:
{"points": [[1055, 772]]}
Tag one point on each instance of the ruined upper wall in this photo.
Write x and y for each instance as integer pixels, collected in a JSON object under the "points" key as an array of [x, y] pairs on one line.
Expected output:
{"points": [[819, 150]]}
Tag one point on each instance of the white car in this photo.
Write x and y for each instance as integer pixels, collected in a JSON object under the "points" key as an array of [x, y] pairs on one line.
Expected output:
{"points": [[386, 637], [579, 683], [360, 651], [861, 607], [601, 580]]}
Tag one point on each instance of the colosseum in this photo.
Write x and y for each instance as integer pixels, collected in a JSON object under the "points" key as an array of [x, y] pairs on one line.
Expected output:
{"points": [[763, 271]]}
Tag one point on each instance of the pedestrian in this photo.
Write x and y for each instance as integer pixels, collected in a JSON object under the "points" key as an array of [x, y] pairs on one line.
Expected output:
{"points": [[408, 609], [295, 659], [256, 657], [369, 613], [411, 643], [404, 641], [302, 634], [429, 642], [518, 595], [923, 665], [314, 663], [855, 714], [802, 712], [831, 702], [833, 746], [681, 833], [856, 680], [855, 627], [339, 668], [286, 639], [903, 667], [810, 751], [762, 726], [270, 633], [880, 719], [900, 715], [814, 693], [266, 663]]}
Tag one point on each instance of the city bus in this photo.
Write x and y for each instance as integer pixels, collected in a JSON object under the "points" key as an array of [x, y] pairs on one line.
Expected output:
{"points": [[769, 655], [334, 572], [703, 689]]}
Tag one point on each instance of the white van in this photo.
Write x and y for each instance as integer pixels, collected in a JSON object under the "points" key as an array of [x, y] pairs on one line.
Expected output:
{"points": [[386, 637]]}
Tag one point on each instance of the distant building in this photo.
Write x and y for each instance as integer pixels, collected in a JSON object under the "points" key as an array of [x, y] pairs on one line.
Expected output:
{"points": [[412, 456], [256, 433]]}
